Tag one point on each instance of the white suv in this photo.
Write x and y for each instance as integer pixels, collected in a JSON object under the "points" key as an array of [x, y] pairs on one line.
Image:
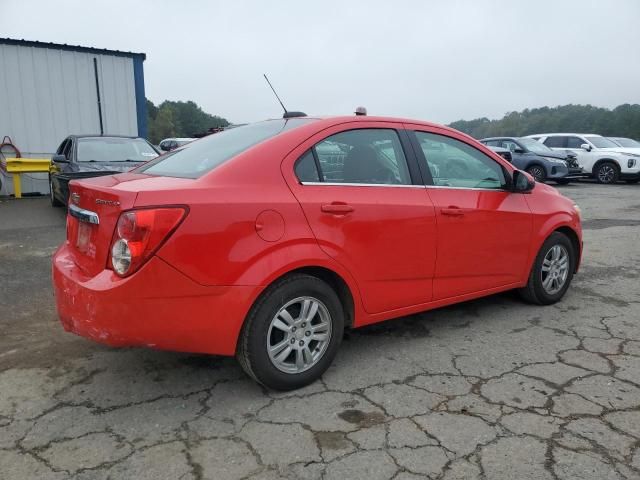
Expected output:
{"points": [[598, 156]]}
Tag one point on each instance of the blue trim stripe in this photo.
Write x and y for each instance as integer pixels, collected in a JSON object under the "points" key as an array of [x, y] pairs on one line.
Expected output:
{"points": [[141, 100]]}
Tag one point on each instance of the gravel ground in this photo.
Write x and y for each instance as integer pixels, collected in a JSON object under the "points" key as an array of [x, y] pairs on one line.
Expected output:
{"points": [[491, 389]]}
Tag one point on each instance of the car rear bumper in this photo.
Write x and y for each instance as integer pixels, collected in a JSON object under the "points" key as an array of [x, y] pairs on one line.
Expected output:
{"points": [[156, 307]]}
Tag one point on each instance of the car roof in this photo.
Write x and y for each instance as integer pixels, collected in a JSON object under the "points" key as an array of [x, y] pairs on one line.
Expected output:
{"points": [[500, 138], [100, 136], [564, 134], [336, 120]]}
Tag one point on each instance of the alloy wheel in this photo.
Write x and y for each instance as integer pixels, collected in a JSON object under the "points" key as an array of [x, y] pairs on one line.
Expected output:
{"points": [[537, 173], [298, 335], [606, 173], [555, 269]]}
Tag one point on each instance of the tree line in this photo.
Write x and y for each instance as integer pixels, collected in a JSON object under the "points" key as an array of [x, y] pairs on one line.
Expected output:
{"points": [[186, 119], [622, 121], [179, 119]]}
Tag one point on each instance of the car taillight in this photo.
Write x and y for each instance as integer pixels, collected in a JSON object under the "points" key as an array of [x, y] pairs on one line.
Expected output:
{"points": [[139, 233]]}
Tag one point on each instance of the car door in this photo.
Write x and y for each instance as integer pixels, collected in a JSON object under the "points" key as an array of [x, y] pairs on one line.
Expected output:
{"points": [[368, 212], [572, 144], [484, 230], [519, 157]]}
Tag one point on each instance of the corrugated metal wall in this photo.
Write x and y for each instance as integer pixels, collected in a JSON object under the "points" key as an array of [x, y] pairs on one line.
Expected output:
{"points": [[47, 94]]}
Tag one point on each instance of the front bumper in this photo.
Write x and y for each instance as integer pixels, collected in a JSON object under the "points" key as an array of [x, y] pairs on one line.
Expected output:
{"points": [[630, 175], [562, 172], [157, 307]]}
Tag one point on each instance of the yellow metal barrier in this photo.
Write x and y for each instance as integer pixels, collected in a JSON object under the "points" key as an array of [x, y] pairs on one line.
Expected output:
{"points": [[17, 166]]}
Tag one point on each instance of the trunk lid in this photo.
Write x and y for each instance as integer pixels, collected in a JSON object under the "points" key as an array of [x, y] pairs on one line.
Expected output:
{"points": [[95, 204], [94, 207]]}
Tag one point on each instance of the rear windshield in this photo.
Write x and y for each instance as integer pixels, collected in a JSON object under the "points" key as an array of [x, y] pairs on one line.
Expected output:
{"points": [[206, 154]]}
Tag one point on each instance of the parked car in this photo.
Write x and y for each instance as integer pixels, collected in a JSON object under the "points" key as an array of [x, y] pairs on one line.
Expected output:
{"points": [[503, 152], [241, 245], [538, 160], [601, 158], [629, 143], [169, 144], [83, 156]]}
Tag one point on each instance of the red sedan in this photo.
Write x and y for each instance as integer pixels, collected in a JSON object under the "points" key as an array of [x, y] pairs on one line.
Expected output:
{"points": [[266, 241]]}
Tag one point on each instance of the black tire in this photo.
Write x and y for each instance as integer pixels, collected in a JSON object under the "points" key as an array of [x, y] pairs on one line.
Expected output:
{"points": [[607, 173], [563, 181], [632, 181], [537, 172], [252, 344], [534, 292], [54, 200]]}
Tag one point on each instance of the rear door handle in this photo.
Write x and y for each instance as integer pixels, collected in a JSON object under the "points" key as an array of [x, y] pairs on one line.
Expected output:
{"points": [[336, 208], [453, 211]]}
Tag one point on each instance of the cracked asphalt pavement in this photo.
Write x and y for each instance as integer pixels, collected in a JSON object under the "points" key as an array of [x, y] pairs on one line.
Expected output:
{"points": [[489, 389]]}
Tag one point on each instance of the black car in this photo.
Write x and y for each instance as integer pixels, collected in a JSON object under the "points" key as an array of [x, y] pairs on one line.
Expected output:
{"points": [[538, 160], [83, 156]]}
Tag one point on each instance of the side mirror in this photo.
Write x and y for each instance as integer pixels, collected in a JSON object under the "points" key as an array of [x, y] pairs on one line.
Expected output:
{"points": [[59, 159], [586, 146], [165, 147], [522, 183]]}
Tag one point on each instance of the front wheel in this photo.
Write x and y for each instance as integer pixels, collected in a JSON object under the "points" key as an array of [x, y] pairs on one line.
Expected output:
{"points": [[54, 200], [292, 333], [552, 271], [537, 172], [607, 173]]}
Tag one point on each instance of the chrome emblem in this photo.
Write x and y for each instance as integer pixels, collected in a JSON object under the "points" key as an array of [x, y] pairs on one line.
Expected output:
{"points": [[75, 198], [113, 203]]}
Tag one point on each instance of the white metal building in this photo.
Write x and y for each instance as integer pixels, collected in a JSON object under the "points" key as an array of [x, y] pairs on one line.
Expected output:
{"points": [[49, 91]]}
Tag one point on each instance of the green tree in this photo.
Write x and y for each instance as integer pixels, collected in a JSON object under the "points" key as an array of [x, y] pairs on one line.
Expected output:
{"points": [[162, 126], [622, 121], [179, 119]]}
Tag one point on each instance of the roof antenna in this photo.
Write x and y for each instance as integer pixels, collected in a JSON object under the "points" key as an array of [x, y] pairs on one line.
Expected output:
{"points": [[287, 114]]}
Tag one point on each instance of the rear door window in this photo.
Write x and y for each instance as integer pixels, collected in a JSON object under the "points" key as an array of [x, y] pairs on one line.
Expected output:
{"points": [[306, 169], [574, 142], [370, 156], [556, 142]]}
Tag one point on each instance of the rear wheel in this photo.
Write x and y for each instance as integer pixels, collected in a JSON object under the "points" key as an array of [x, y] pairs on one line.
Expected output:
{"points": [[292, 333], [537, 172], [552, 271], [607, 173], [54, 200]]}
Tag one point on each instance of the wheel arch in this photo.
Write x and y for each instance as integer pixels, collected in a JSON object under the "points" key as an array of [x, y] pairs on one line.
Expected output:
{"points": [[600, 161], [345, 288], [563, 223], [575, 241], [537, 163]]}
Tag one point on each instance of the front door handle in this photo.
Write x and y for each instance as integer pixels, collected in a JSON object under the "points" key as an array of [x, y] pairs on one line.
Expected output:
{"points": [[453, 211], [336, 208]]}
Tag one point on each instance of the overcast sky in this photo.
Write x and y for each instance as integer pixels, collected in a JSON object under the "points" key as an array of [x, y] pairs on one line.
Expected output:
{"points": [[432, 60]]}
